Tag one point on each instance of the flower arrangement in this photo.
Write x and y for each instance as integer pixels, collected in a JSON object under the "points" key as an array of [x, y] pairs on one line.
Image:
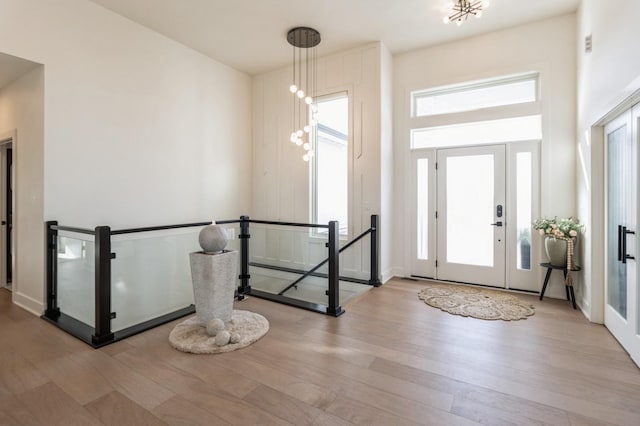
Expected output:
{"points": [[566, 227]]}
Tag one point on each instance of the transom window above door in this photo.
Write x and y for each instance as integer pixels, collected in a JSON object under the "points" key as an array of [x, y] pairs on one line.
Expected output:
{"points": [[500, 110], [475, 95]]}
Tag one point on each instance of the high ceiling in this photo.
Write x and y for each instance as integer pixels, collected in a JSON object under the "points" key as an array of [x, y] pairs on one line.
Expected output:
{"points": [[249, 35]]}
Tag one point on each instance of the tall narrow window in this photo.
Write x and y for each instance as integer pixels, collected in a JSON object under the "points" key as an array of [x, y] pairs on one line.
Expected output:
{"points": [[523, 208], [330, 176], [423, 208]]}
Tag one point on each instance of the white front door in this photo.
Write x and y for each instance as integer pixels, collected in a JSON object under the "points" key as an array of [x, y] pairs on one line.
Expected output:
{"points": [[621, 295], [465, 189], [471, 215]]}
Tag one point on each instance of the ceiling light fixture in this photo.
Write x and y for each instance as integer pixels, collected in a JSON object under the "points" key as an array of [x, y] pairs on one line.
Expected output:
{"points": [[303, 87], [463, 8]]}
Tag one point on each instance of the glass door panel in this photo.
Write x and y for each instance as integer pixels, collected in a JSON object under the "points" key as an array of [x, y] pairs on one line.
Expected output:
{"points": [[470, 204], [617, 147], [471, 215]]}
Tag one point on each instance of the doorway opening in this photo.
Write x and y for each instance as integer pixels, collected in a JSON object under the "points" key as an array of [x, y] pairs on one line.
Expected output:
{"points": [[6, 213]]}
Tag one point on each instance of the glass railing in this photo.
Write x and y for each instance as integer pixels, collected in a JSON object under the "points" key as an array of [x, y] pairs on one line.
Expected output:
{"points": [[75, 274], [281, 255], [150, 275], [104, 285]]}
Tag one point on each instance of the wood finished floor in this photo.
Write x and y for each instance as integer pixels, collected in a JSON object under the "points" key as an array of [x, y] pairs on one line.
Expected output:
{"points": [[389, 360]]}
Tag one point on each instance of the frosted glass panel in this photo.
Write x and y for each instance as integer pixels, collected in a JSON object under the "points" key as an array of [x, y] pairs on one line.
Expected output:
{"points": [[287, 247], [423, 208], [616, 207], [470, 210], [445, 101], [277, 253], [478, 133], [151, 275], [523, 208], [76, 275]]}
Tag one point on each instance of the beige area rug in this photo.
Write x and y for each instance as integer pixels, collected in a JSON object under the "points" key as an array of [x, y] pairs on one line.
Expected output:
{"points": [[475, 302], [190, 336]]}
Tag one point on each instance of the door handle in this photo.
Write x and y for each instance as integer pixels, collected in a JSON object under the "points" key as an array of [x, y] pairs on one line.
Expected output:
{"points": [[619, 243], [623, 231], [498, 223]]}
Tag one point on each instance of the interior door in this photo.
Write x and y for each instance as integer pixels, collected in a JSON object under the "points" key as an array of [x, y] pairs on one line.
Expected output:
{"points": [[621, 295], [471, 215]]}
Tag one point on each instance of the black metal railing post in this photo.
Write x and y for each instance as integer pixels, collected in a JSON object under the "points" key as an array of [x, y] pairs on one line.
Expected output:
{"points": [[333, 307], [374, 280], [102, 283], [245, 287], [52, 310]]}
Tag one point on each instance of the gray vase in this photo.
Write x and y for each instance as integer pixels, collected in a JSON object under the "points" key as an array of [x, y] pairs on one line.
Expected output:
{"points": [[214, 280], [556, 250]]}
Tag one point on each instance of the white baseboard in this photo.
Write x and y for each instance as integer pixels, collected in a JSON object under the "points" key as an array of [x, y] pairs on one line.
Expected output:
{"points": [[28, 303], [394, 271]]}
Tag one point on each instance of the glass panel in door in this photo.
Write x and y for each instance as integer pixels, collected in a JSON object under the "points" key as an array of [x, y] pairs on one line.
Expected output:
{"points": [[470, 202], [617, 147], [471, 215]]}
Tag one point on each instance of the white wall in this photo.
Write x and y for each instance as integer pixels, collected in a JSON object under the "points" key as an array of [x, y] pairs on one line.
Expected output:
{"points": [[547, 47], [139, 130], [387, 176], [22, 113], [606, 77], [281, 178]]}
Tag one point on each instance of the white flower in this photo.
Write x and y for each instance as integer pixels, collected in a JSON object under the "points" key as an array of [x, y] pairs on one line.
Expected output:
{"points": [[554, 226], [558, 233], [573, 233], [541, 231]]}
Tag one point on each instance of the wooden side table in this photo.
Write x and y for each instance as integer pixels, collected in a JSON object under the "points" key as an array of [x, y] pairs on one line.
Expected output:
{"points": [[568, 288]]}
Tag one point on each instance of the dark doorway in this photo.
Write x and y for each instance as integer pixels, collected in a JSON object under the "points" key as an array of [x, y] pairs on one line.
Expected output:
{"points": [[9, 214]]}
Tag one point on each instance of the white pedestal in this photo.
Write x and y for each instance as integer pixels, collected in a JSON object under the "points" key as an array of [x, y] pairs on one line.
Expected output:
{"points": [[214, 281]]}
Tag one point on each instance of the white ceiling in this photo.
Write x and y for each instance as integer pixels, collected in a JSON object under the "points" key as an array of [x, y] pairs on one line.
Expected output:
{"points": [[12, 68], [249, 35]]}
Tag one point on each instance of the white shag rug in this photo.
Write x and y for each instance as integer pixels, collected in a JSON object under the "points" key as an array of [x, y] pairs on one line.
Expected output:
{"points": [[190, 336]]}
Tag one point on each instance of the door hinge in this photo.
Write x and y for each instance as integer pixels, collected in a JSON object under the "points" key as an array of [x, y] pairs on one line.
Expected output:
{"points": [[436, 163], [436, 214], [436, 263]]}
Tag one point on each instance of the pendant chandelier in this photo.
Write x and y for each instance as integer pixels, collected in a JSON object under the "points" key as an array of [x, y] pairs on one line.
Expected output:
{"points": [[303, 87], [463, 8]]}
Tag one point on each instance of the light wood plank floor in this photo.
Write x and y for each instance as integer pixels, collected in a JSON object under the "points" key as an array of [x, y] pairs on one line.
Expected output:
{"points": [[390, 360]]}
